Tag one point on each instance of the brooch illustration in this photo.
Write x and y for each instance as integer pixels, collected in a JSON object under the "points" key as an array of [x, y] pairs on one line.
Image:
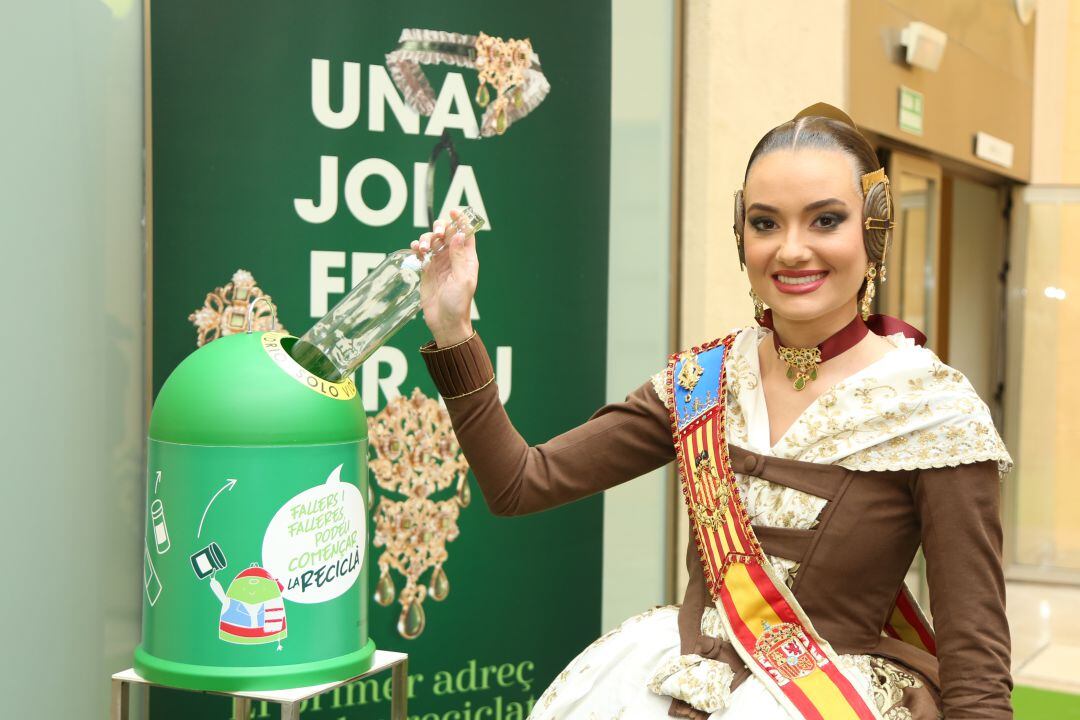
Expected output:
{"points": [[509, 66], [225, 310], [417, 456]]}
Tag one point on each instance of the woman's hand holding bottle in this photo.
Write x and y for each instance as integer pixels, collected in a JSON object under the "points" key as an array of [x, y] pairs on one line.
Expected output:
{"points": [[448, 282]]}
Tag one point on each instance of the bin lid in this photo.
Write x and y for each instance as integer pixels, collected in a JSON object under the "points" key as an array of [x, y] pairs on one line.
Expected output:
{"points": [[245, 389]]}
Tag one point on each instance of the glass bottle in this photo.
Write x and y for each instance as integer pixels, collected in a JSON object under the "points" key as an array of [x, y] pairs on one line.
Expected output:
{"points": [[373, 311]]}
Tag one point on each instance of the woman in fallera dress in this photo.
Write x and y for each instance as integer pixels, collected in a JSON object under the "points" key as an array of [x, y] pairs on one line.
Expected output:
{"points": [[817, 451]]}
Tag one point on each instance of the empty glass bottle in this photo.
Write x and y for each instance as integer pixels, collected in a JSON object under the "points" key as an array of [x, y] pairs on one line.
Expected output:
{"points": [[373, 311]]}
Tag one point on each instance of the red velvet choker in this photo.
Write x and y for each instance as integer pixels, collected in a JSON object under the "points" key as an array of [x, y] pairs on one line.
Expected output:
{"points": [[802, 362]]}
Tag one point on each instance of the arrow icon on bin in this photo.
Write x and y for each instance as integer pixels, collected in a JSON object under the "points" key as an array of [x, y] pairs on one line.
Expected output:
{"points": [[229, 485]]}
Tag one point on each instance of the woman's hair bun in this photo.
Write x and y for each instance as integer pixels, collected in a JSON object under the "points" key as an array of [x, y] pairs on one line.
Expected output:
{"points": [[877, 204]]}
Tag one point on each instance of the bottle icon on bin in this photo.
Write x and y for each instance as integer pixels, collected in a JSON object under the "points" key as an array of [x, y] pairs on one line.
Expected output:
{"points": [[208, 561], [161, 531]]}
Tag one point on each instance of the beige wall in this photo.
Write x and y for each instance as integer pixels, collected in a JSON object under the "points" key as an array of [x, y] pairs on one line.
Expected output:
{"points": [[744, 74], [1056, 137], [1050, 91], [984, 82]]}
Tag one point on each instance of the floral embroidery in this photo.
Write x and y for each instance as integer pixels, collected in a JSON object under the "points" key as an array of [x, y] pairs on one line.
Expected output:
{"points": [[887, 684], [702, 682], [617, 716], [905, 412], [771, 505], [659, 386], [552, 691], [711, 624]]}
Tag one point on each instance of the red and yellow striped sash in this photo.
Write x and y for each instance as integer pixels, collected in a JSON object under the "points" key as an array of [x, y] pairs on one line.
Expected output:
{"points": [[908, 623], [764, 622]]}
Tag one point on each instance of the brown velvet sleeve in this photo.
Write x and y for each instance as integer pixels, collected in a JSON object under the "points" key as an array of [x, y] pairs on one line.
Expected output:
{"points": [[619, 442], [961, 536]]}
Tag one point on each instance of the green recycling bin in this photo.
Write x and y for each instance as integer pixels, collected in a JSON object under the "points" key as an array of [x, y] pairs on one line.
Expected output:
{"points": [[255, 568]]}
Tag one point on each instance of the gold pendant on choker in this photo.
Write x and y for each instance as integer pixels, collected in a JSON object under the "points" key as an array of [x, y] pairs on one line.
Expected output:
{"points": [[802, 364]]}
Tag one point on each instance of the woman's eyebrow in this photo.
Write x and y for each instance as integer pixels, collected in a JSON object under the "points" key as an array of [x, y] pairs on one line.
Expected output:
{"points": [[823, 203], [812, 206]]}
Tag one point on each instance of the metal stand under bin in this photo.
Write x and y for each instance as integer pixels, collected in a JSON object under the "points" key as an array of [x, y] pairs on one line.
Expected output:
{"points": [[290, 699]]}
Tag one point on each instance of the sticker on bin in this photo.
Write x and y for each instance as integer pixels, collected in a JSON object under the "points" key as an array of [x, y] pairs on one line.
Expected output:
{"points": [[314, 545]]}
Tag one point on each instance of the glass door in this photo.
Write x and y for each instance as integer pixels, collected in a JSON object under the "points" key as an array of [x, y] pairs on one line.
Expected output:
{"points": [[1042, 387], [913, 263]]}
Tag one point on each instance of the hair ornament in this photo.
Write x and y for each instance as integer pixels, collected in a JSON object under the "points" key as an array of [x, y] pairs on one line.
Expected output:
{"points": [[871, 179]]}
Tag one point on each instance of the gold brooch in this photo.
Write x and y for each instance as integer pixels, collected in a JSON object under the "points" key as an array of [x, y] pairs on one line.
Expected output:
{"points": [[416, 457], [225, 310], [689, 375], [802, 364]]}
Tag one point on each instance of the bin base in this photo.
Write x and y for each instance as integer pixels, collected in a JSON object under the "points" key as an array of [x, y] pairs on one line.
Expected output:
{"points": [[239, 679]]}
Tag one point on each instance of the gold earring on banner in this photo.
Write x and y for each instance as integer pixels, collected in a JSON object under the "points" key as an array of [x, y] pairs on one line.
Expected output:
{"points": [[759, 306], [868, 295]]}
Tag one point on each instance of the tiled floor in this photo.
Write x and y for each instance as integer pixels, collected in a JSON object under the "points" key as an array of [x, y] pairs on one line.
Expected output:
{"points": [[1045, 624]]}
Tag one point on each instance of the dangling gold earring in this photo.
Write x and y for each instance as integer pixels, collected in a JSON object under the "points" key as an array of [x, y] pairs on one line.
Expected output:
{"points": [[759, 306], [868, 295], [884, 252]]}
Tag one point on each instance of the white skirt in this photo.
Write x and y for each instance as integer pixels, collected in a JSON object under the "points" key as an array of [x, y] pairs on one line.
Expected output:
{"points": [[609, 680]]}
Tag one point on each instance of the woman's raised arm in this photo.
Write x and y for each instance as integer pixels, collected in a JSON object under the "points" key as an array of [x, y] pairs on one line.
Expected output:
{"points": [[618, 443]]}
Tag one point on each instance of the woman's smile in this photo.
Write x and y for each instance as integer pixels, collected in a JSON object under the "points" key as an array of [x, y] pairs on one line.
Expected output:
{"points": [[799, 281]]}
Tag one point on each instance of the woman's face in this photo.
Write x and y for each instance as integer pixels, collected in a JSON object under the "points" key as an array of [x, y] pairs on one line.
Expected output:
{"points": [[803, 235]]}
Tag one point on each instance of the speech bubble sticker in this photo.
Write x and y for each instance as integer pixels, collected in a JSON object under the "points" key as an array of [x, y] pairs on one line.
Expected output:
{"points": [[315, 543]]}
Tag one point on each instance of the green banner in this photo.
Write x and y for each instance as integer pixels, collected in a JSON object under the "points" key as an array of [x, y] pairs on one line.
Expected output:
{"points": [[293, 146]]}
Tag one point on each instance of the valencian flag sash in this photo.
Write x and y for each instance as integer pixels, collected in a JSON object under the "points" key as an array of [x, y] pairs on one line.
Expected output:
{"points": [[764, 621]]}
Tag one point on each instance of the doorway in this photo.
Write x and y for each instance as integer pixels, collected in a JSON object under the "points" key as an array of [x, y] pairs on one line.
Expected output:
{"points": [[945, 266], [913, 262]]}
